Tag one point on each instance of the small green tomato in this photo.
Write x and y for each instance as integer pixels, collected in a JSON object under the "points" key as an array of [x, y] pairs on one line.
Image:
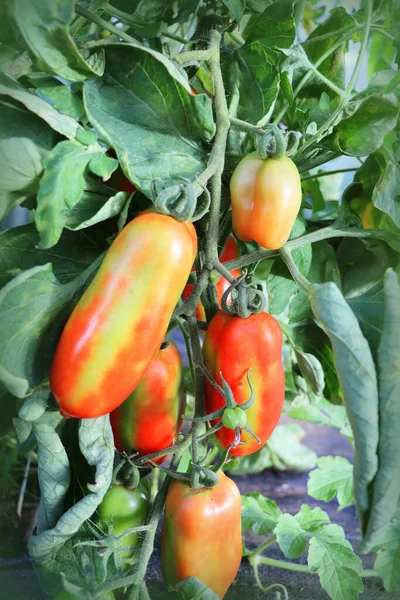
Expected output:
{"points": [[214, 276], [234, 417]]}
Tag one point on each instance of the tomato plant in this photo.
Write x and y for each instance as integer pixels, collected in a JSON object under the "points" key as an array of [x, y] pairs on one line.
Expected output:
{"points": [[150, 419], [226, 175]]}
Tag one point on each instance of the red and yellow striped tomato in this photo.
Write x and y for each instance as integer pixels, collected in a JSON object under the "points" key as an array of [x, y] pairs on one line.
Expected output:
{"points": [[118, 326], [202, 534], [233, 345], [266, 197], [230, 252], [150, 419]]}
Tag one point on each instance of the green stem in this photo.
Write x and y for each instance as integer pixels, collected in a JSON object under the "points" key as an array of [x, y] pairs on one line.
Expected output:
{"points": [[177, 38], [263, 546], [105, 24], [316, 236], [339, 91], [186, 337], [280, 564], [326, 126], [218, 152], [224, 272], [310, 72], [325, 173], [144, 594], [192, 55], [244, 126], [80, 21], [383, 31], [329, 35], [321, 159]]}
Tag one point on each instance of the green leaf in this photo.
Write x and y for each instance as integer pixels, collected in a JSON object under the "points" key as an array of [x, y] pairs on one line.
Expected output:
{"points": [[140, 115], [362, 264], [324, 267], [236, 7], [146, 18], [35, 405], [386, 490], [92, 209], [273, 28], [103, 165], [365, 130], [63, 124], [381, 54], [356, 372], [312, 370], [254, 65], [386, 194], [312, 518], [62, 187], [283, 451], [333, 67], [69, 257], [387, 563], [329, 554], [24, 141], [61, 96], [97, 446], [310, 338], [320, 412], [368, 308], [44, 26], [23, 429], [33, 306], [334, 476], [260, 514], [54, 476], [13, 62], [290, 536], [333, 558], [192, 588], [287, 451]]}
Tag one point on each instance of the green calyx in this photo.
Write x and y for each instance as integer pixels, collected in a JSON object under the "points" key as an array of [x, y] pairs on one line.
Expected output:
{"points": [[180, 201], [274, 143], [245, 299]]}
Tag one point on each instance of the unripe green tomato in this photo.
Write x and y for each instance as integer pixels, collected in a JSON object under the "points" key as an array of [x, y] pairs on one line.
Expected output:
{"points": [[214, 276], [64, 595], [234, 417], [128, 508], [105, 33]]}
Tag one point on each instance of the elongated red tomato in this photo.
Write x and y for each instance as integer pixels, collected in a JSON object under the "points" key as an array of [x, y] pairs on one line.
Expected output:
{"points": [[202, 534], [117, 328], [233, 345], [150, 419], [266, 198], [230, 252]]}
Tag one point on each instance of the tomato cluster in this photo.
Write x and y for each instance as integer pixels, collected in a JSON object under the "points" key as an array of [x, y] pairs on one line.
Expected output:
{"points": [[111, 358]]}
